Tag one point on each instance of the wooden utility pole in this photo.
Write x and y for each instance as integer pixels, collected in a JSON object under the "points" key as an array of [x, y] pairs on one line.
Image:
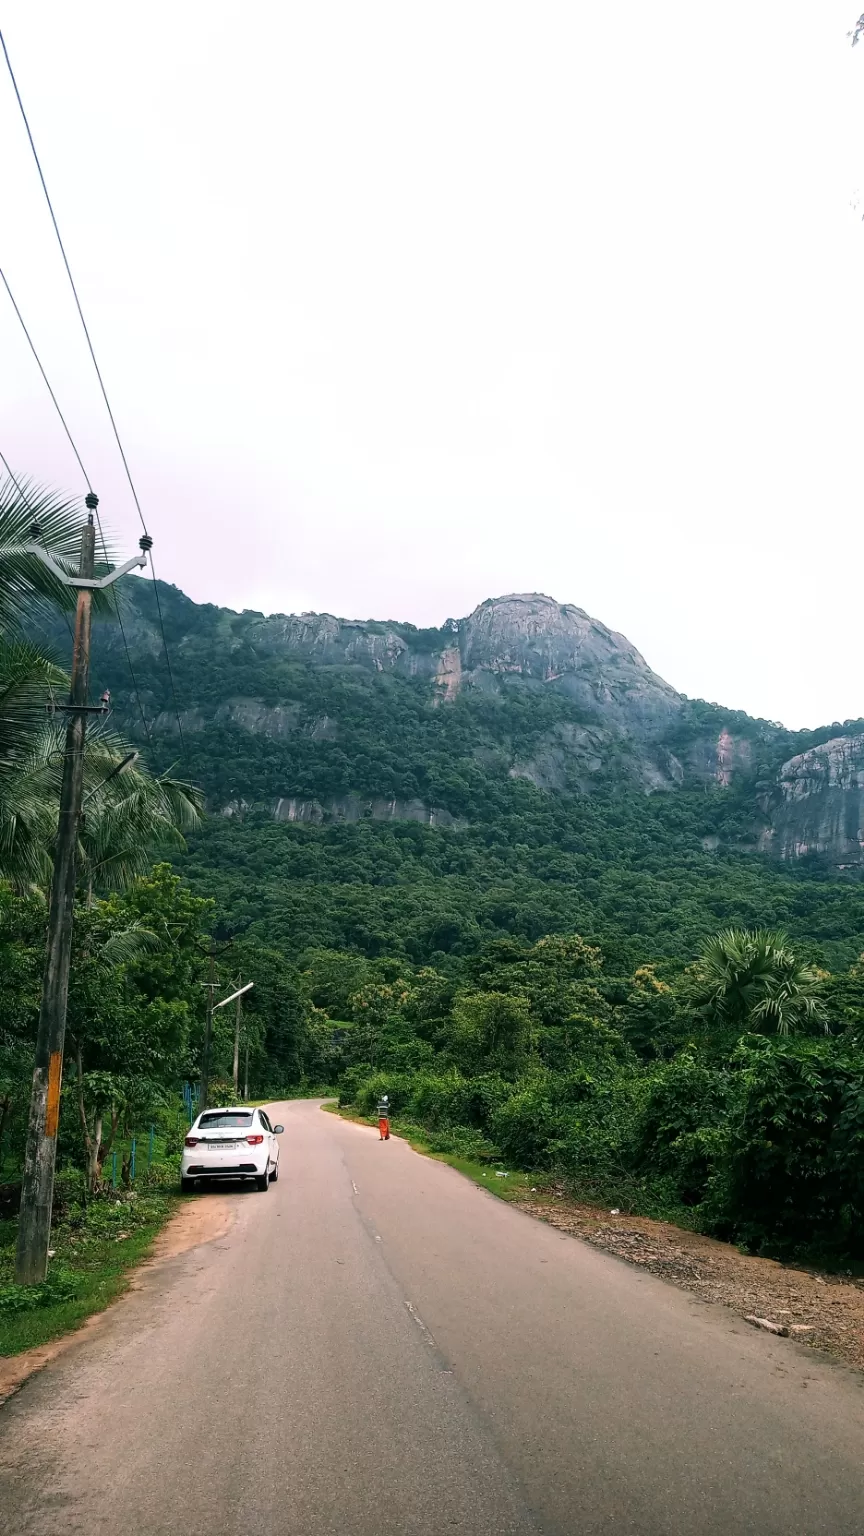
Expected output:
{"points": [[237, 1034], [37, 1190]]}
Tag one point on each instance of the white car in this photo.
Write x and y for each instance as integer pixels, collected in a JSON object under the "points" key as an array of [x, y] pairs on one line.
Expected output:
{"points": [[236, 1143]]}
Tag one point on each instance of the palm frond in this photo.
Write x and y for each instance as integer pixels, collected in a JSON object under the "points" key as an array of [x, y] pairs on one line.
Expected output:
{"points": [[751, 978], [130, 943], [27, 679], [129, 817], [28, 589]]}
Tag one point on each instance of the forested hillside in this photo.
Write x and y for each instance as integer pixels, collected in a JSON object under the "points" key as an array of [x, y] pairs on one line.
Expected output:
{"points": [[360, 801], [505, 873]]}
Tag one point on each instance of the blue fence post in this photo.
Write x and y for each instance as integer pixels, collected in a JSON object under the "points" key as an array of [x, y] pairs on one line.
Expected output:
{"points": [[150, 1148], [132, 1159], [113, 1170]]}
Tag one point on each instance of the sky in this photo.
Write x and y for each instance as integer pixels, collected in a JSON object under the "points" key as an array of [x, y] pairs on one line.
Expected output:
{"points": [[402, 306]]}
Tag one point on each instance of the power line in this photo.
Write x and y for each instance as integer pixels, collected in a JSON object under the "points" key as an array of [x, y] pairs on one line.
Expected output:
{"points": [[168, 660], [17, 484], [114, 596], [101, 382], [70, 277], [32, 346]]}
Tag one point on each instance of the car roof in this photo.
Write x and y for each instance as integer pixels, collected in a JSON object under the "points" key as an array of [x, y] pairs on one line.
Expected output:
{"points": [[229, 1109]]}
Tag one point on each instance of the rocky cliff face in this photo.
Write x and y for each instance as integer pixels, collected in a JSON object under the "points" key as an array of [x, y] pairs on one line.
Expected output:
{"points": [[531, 636], [525, 635], [818, 804], [614, 719]]}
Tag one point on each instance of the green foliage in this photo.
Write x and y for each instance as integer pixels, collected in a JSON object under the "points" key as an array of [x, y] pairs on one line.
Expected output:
{"points": [[753, 980], [682, 1116], [25, 1298], [492, 1029], [95, 1247], [559, 978], [761, 1140], [791, 1177]]}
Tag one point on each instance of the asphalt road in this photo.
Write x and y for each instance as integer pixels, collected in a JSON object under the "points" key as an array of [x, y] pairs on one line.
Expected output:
{"points": [[377, 1346]]}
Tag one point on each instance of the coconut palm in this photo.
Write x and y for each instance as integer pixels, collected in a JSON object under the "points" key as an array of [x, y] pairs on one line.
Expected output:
{"points": [[129, 815], [752, 979], [28, 589]]}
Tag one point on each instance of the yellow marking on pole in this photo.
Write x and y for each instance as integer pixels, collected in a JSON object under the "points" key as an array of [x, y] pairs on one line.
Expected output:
{"points": [[52, 1111]]}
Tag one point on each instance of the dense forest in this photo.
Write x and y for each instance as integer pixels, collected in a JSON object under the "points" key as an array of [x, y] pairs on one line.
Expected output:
{"points": [[531, 972]]}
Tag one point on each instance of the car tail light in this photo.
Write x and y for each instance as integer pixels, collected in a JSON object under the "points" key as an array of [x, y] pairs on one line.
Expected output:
{"points": [[254, 1141], [192, 1141]]}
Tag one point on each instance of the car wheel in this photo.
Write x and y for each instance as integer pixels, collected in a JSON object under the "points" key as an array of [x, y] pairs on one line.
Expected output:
{"points": [[274, 1177], [263, 1183], [187, 1186]]}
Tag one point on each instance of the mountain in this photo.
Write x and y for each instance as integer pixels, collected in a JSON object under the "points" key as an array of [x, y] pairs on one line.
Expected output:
{"points": [[517, 771], [545, 693]]}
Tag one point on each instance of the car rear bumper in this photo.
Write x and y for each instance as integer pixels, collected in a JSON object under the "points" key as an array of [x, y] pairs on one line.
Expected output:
{"points": [[238, 1171]]}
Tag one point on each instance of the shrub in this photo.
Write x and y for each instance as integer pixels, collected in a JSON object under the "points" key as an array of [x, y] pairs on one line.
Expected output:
{"points": [[790, 1180], [679, 1128]]}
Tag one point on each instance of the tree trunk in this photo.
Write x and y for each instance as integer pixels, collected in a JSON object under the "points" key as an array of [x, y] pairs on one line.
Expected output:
{"points": [[94, 1161], [109, 1142], [91, 1143]]}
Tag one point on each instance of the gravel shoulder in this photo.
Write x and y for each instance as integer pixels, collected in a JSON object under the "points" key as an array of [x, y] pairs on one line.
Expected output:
{"points": [[822, 1310]]}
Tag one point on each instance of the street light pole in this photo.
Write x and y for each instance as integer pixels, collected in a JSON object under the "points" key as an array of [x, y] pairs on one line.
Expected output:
{"points": [[37, 1189], [236, 1072], [224, 1003], [208, 1030]]}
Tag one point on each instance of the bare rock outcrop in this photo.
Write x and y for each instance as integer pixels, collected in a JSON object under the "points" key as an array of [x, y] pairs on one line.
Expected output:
{"points": [[819, 804]]}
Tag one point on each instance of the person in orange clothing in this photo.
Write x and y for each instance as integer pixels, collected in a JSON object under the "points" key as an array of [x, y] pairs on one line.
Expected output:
{"points": [[384, 1117]]}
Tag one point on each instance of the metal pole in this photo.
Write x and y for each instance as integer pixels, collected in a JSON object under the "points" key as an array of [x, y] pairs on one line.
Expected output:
{"points": [[246, 1081], [236, 1073], [208, 1028], [150, 1148], [37, 1188]]}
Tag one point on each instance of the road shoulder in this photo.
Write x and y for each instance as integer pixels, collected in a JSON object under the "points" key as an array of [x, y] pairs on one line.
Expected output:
{"points": [[194, 1222]]}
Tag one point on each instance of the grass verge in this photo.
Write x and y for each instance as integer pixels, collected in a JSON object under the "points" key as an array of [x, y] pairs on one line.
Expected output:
{"points": [[94, 1251]]}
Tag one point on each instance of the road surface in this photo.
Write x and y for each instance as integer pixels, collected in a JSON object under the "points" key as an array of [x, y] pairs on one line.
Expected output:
{"points": [[377, 1346]]}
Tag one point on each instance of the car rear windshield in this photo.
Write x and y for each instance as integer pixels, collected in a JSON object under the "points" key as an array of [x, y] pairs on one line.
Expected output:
{"points": [[232, 1118]]}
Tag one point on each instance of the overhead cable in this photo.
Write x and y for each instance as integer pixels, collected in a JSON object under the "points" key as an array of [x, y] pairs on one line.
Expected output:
{"points": [[99, 377], [114, 596]]}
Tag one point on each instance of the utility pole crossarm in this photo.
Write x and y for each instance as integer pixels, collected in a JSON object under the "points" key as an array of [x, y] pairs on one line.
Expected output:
{"points": [[89, 583]]}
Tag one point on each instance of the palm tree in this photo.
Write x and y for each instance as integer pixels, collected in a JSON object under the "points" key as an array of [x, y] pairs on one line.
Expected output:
{"points": [[128, 814], [751, 979], [27, 679], [28, 589]]}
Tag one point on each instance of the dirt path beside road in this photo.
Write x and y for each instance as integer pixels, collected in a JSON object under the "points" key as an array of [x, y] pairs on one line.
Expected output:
{"points": [[826, 1311]]}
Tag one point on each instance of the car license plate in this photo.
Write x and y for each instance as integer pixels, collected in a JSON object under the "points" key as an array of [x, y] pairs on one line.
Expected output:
{"points": [[222, 1146]]}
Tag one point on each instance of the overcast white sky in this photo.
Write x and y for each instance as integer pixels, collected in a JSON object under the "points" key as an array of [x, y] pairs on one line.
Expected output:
{"points": [[402, 306]]}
